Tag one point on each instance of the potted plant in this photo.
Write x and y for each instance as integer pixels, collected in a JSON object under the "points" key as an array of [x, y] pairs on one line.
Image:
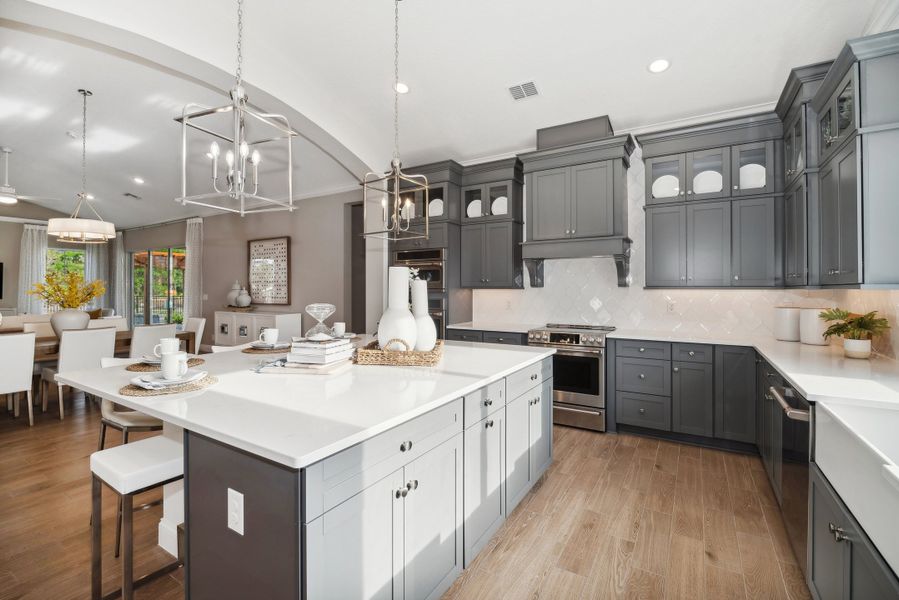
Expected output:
{"points": [[855, 329], [69, 292]]}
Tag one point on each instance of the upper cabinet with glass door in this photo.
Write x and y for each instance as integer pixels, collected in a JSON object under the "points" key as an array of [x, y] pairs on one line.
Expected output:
{"points": [[708, 174], [795, 145], [414, 204], [838, 120], [665, 179], [499, 201], [752, 168]]}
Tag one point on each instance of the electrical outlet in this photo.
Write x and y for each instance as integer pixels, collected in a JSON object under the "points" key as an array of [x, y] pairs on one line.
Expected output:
{"points": [[235, 511], [205, 297], [670, 306]]}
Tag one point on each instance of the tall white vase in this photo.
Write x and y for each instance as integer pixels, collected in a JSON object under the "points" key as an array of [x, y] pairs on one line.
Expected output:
{"points": [[424, 324], [231, 298], [397, 322]]}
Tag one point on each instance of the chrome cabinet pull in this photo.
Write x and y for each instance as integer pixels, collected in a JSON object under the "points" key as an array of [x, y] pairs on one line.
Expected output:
{"points": [[691, 353], [642, 411], [402, 493], [534, 377], [642, 376], [689, 192], [406, 446], [488, 424], [642, 349], [676, 369], [839, 534], [488, 402], [736, 278]]}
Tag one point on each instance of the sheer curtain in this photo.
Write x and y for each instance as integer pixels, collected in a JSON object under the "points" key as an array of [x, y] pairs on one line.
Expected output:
{"points": [[96, 266], [193, 269], [32, 267], [117, 288]]}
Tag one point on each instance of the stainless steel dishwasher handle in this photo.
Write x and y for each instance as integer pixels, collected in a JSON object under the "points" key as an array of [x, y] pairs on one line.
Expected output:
{"points": [[792, 413]]}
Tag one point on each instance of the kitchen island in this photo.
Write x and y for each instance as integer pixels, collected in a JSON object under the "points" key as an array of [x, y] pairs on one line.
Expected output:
{"points": [[351, 485]]}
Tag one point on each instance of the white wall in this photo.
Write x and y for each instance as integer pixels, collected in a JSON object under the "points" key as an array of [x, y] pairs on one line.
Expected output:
{"points": [[586, 291]]}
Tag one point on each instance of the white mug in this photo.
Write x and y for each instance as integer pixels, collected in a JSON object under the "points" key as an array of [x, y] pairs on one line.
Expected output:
{"points": [[174, 364], [339, 329], [269, 335], [166, 345]]}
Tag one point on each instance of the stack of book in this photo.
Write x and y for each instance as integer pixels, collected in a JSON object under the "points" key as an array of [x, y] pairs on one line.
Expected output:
{"points": [[307, 352]]}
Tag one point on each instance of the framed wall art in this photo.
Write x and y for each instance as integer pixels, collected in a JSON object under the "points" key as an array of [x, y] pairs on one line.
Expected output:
{"points": [[269, 270]]}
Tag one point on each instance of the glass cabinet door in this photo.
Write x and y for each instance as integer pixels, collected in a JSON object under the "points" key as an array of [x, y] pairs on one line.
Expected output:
{"points": [[473, 201], [498, 199], [826, 135], [788, 152], [665, 179], [436, 206], [846, 109], [752, 169], [708, 174], [798, 145]]}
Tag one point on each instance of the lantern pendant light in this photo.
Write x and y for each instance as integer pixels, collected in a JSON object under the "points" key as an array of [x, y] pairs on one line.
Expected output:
{"points": [[77, 229], [396, 190]]}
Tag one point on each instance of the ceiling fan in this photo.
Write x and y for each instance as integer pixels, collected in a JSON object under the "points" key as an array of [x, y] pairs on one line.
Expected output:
{"points": [[7, 192]]}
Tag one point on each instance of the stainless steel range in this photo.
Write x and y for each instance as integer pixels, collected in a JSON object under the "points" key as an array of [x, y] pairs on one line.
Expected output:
{"points": [[579, 376]]}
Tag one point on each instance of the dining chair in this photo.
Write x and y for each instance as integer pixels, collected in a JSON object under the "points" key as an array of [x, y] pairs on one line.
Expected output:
{"points": [[216, 349], [196, 325], [16, 365], [126, 420], [107, 312], [145, 337], [40, 329], [78, 349]]}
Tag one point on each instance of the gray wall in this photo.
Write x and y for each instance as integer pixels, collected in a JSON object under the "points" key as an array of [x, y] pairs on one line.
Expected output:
{"points": [[10, 241]]}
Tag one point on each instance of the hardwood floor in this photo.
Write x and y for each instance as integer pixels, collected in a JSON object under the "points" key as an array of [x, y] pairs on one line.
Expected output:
{"points": [[615, 516], [619, 516]]}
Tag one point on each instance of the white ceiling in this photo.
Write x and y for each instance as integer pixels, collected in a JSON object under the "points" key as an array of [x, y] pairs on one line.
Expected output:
{"points": [[332, 61]]}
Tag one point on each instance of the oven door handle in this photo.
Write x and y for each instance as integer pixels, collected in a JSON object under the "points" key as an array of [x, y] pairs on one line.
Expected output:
{"points": [[581, 353], [792, 413]]}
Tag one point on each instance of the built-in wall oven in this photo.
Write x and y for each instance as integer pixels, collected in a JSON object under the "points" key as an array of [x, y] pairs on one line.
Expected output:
{"points": [[578, 373], [430, 263]]}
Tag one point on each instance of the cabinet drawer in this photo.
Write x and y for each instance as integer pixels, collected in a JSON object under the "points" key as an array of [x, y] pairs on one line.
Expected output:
{"points": [[464, 335], [437, 237], [484, 401], [503, 337], [644, 376], [523, 380], [643, 349], [337, 478], [699, 353], [643, 410]]}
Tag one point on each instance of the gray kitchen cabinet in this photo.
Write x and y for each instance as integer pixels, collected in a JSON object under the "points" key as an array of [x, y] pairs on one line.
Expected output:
{"points": [[528, 440], [592, 200], [485, 471], [464, 335], [796, 235], [735, 399], [438, 237], [795, 150], [838, 118], [708, 174], [752, 169], [754, 249], [499, 200], [844, 564], [692, 398], [840, 238], [491, 255], [708, 244], [643, 376], [549, 201], [666, 179], [666, 246]]}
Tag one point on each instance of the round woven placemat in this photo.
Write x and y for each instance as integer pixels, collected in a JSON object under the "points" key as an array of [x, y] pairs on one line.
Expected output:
{"points": [[265, 350], [133, 390], [141, 367]]}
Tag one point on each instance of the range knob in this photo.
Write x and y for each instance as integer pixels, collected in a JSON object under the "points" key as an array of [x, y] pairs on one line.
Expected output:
{"points": [[531, 335], [545, 336], [591, 339]]}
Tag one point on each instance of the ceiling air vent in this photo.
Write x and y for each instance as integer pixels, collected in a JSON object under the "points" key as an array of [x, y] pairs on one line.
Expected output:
{"points": [[130, 195], [523, 90]]}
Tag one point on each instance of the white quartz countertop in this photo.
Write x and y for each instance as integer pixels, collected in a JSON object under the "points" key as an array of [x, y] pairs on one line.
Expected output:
{"points": [[297, 419], [496, 326]]}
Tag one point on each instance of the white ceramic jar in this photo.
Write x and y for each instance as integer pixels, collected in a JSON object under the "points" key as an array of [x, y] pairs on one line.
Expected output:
{"points": [[812, 327], [786, 323], [243, 298], [231, 298], [397, 322]]}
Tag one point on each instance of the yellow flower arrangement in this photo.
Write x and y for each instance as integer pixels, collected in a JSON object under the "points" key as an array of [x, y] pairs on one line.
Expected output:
{"points": [[68, 290]]}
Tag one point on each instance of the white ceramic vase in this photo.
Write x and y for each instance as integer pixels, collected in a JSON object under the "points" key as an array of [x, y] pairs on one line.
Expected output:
{"points": [[857, 348], [68, 318], [397, 322], [426, 331], [243, 298], [812, 327], [231, 298]]}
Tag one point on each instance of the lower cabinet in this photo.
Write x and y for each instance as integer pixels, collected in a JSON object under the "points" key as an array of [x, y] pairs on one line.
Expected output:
{"points": [[845, 565], [485, 468], [488, 337], [735, 401], [400, 537], [528, 441], [692, 398]]}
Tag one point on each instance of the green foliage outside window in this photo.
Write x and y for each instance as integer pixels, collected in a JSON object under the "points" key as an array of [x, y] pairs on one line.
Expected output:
{"points": [[62, 262]]}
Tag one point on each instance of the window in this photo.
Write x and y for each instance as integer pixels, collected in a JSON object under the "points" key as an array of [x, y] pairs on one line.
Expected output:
{"points": [[65, 261], [157, 284]]}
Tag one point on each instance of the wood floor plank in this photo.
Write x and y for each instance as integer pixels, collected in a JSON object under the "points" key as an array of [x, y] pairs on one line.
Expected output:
{"points": [[748, 516], [643, 585], [794, 581], [579, 551], [627, 521], [651, 547], [667, 457], [761, 571], [739, 475], [640, 474], [687, 518], [715, 493], [721, 548], [661, 492], [647, 448], [685, 580], [723, 584], [763, 488], [776, 528]]}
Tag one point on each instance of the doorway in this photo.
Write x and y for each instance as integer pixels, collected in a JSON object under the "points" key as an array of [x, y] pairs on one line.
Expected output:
{"points": [[357, 268]]}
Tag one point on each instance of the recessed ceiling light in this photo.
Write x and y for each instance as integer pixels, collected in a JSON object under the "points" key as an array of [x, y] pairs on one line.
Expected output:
{"points": [[402, 88], [137, 180], [659, 65]]}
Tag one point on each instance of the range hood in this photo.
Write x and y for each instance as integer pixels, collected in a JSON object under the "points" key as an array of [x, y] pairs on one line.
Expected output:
{"points": [[576, 166]]}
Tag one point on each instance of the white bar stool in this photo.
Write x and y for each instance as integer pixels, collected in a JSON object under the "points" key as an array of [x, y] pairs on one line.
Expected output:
{"points": [[128, 470]]}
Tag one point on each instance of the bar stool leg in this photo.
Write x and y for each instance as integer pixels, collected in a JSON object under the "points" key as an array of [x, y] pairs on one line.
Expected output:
{"points": [[96, 549], [128, 555], [118, 527]]}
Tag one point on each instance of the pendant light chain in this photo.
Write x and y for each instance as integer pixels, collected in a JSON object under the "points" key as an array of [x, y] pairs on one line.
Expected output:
{"points": [[84, 94], [396, 80], [239, 72]]}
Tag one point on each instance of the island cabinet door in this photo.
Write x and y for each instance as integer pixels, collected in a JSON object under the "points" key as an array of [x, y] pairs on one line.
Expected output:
{"points": [[485, 466], [432, 527], [541, 429], [355, 550], [518, 473]]}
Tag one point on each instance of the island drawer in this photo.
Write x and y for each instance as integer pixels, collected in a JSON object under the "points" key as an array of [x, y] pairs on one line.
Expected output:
{"points": [[643, 376], [504, 337], [643, 349], [644, 410], [697, 353], [329, 482], [521, 381], [484, 401]]}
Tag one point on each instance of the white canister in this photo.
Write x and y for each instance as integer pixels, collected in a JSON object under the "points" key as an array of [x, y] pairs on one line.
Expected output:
{"points": [[786, 323], [231, 297], [812, 327]]}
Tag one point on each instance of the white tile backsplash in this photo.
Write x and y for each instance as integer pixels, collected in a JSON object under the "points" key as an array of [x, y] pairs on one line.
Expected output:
{"points": [[585, 290]]}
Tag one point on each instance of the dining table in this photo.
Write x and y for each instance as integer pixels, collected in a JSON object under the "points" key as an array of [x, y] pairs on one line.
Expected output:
{"points": [[46, 348]]}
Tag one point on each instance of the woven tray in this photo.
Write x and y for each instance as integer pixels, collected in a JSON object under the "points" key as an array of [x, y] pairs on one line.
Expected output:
{"points": [[142, 367], [373, 355], [133, 390], [243, 309], [265, 350]]}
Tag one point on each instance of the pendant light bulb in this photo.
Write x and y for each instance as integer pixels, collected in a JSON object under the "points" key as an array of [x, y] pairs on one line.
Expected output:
{"points": [[229, 158], [244, 150], [214, 150], [255, 158]]}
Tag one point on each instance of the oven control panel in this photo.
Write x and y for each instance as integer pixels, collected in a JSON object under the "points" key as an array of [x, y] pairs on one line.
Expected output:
{"points": [[566, 338]]}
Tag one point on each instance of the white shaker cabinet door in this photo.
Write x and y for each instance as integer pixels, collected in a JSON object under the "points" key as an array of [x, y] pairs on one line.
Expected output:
{"points": [[485, 459], [518, 475], [355, 549], [433, 521]]}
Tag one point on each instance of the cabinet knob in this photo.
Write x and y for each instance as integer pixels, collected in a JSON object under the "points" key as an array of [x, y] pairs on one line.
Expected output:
{"points": [[642, 376], [736, 187], [406, 446], [682, 193], [402, 493], [488, 424], [689, 279], [488, 402], [691, 353], [689, 192], [736, 277], [676, 369], [642, 349], [573, 231], [642, 411], [567, 231], [683, 278], [534, 377]]}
